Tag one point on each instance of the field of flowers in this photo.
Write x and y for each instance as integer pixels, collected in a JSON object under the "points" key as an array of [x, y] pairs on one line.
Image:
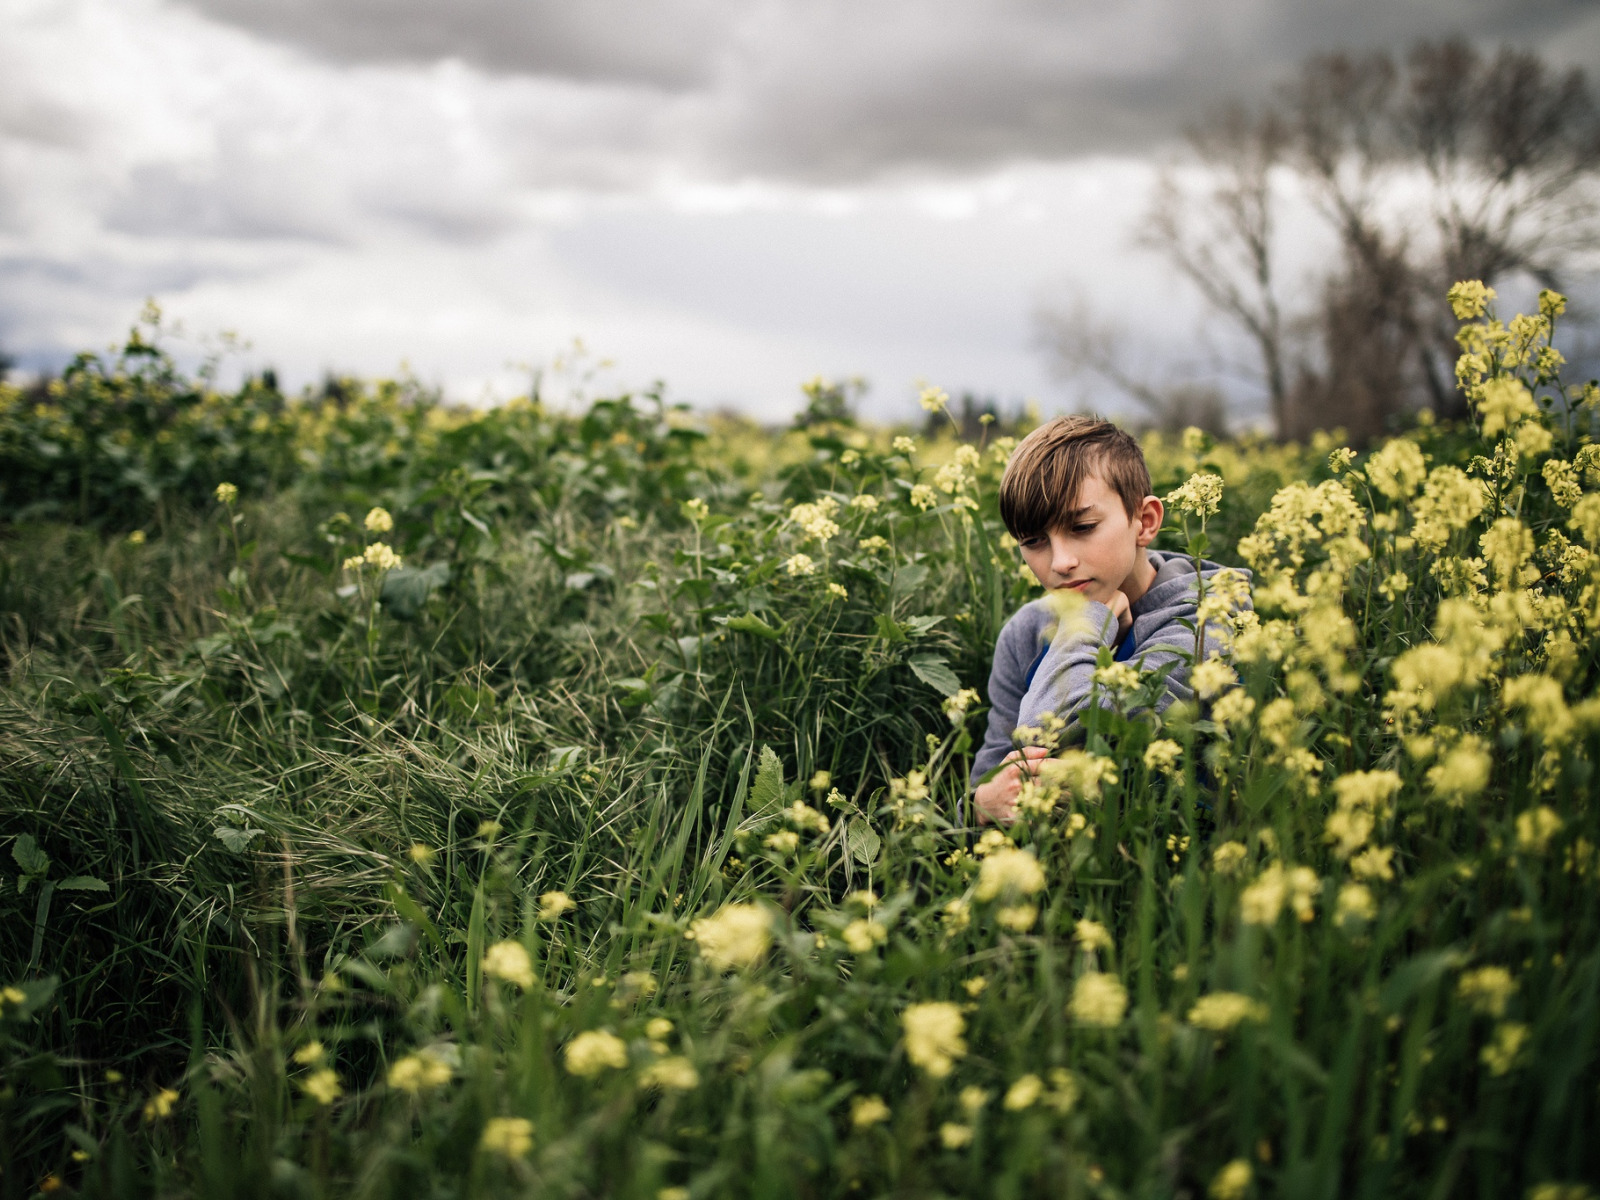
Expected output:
{"points": [[399, 800]]}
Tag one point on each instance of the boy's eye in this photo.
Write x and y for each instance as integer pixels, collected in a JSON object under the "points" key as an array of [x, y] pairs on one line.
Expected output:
{"points": [[1032, 543], [1089, 528]]}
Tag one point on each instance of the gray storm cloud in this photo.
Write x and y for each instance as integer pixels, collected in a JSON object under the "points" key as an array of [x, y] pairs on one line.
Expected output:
{"points": [[838, 89]]}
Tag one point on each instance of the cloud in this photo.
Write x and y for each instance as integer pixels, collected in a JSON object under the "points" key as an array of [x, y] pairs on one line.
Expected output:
{"points": [[841, 89]]}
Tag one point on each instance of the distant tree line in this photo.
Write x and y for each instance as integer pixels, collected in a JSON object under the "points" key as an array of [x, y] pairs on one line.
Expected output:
{"points": [[1447, 164]]}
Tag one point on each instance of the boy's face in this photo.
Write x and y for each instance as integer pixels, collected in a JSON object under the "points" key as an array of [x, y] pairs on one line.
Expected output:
{"points": [[1102, 551]]}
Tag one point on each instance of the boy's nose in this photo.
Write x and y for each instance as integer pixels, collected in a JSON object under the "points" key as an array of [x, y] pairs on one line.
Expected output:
{"points": [[1062, 560]]}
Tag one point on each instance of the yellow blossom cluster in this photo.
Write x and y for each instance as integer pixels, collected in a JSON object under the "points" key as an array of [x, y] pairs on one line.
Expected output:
{"points": [[1277, 886], [934, 1036], [736, 935], [816, 519]]}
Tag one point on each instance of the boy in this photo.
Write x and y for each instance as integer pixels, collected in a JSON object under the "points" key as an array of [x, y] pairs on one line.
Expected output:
{"points": [[1076, 496]]}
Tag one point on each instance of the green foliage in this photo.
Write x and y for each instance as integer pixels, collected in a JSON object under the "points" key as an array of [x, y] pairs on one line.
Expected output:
{"points": [[614, 842]]}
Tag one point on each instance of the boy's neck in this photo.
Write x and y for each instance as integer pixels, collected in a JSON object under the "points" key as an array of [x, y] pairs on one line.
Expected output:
{"points": [[1138, 583]]}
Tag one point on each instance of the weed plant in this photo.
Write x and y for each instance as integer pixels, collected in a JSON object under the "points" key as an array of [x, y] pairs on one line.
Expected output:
{"points": [[400, 800]]}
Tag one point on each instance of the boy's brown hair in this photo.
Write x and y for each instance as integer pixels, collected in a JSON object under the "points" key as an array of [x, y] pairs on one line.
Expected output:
{"points": [[1039, 490]]}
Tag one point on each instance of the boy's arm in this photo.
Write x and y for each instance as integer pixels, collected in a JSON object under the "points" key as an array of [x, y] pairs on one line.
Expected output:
{"points": [[1014, 651], [1063, 681]]}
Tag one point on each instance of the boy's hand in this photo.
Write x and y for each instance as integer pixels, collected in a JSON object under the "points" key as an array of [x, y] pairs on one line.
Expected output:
{"points": [[996, 800]]}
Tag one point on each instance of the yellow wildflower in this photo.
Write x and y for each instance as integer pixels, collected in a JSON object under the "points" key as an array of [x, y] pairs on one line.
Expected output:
{"points": [[867, 1111], [1232, 1182], [923, 497], [1018, 918], [1501, 1054], [1487, 989], [161, 1104], [1373, 863], [378, 520], [1536, 827], [1221, 1011], [1502, 403], [1355, 905], [1397, 469], [1024, 1093], [1463, 772], [800, 564], [865, 501], [1091, 935], [1212, 677], [672, 1074], [595, 1050], [934, 1036], [973, 1099], [553, 904], [322, 1086], [226, 493], [1469, 298], [509, 960], [862, 935], [1011, 872], [933, 399], [1098, 999], [904, 445], [953, 1136], [1162, 755], [420, 1072], [737, 935], [1227, 858], [509, 1137]]}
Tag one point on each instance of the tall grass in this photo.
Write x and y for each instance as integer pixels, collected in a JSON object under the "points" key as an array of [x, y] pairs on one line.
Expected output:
{"points": [[613, 843]]}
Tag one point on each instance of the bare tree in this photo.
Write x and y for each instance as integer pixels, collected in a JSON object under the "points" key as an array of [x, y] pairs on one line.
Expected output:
{"points": [[1222, 241], [1447, 165]]}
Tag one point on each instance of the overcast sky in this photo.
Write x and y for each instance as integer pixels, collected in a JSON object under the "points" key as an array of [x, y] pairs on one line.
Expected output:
{"points": [[730, 195]]}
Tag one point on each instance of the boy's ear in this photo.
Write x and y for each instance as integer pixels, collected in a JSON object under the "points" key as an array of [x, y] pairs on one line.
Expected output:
{"points": [[1150, 517]]}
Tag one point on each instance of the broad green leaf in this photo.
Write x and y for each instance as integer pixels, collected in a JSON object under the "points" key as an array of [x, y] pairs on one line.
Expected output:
{"points": [[83, 883], [750, 623], [935, 672], [767, 792], [30, 858], [863, 841], [237, 840]]}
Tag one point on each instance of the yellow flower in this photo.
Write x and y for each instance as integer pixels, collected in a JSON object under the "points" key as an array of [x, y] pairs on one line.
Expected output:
{"points": [[322, 1086], [672, 1074], [509, 961], [973, 1099], [1397, 469], [380, 555], [1502, 403], [1355, 905], [1200, 495], [867, 1111], [934, 1036], [861, 935], [1469, 298], [160, 1105], [953, 1136], [839, 590], [1262, 901], [817, 519], [933, 399], [923, 497], [1221, 1011], [1024, 1093], [1018, 918], [1080, 772], [1212, 677], [136, 538], [421, 1072], [955, 707], [737, 935], [1091, 935], [421, 854], [378, 520], [785, 841], [1500, 1055], [1487, 989], [904, 445], [595, 1050], [553, 904], [1011, 872], [1227, 858], [1232, 1182], [874, 544], [226, 493], [1536, 827], [311, 1052], [1463, 772], [1162, 755], [800, 564], [673, 1193], [1450, 500], [1373, 863], [865, 501], [509, 1137], [1098, 999]]}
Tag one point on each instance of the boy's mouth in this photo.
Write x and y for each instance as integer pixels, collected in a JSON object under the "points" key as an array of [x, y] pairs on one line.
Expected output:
{"points": [[1077, 585]]}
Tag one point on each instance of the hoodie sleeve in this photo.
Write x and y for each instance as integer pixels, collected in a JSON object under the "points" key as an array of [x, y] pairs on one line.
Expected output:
{"points": [[1014, 652], [1062, 683]]}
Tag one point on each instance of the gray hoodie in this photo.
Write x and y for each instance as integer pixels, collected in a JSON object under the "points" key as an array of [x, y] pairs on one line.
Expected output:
{"points": [[1061, 680]]}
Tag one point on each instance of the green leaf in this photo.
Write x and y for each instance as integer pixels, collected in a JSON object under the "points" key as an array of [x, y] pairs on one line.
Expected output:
{"points": [[237, 840], [406, 589], [935, 672], [750, 623], [888, 630], [30, 858], [767, 793], [862, 841], [83, 883]]}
